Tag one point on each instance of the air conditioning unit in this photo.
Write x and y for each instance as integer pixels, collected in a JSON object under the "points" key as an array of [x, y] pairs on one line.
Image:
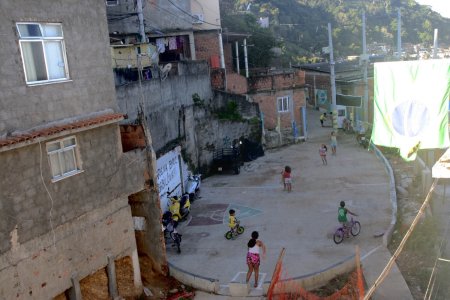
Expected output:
{"points": [[197, 19], [112, 2]]}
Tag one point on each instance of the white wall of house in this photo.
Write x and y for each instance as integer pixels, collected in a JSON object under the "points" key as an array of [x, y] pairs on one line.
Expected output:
{"points": [[171, 175], [208, 10]]}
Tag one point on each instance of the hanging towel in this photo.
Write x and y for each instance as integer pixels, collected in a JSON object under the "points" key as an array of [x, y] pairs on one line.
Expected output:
{"points": [[172, 43], [160, 45]]}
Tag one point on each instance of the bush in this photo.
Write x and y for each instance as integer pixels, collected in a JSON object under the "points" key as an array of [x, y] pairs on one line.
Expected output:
{"points": [[230, 112]]}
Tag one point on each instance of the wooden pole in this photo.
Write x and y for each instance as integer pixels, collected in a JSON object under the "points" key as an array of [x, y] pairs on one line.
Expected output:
{"points": [[275, 275], [359, 279]]}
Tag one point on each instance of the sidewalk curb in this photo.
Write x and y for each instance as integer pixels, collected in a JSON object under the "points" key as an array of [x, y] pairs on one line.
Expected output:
{"points": [[392, 192], [202, 283]]}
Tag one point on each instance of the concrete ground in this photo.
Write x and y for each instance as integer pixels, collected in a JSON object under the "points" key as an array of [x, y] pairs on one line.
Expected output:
{"points": [[302, 221]]}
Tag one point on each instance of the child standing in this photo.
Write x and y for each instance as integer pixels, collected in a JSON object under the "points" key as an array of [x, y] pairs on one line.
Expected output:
{"points": [[323, 118], [333, 143], [286, 177], [323, 153]]}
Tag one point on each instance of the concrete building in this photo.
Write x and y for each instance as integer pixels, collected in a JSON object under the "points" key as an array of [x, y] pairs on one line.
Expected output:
{"points": [[278, 94], [66, 184], [171, 95], [349, 90], [168, 25]]}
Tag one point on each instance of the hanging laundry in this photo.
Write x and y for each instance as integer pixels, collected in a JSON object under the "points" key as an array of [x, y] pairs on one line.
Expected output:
{"points": [[172, 43], [161, 45]]}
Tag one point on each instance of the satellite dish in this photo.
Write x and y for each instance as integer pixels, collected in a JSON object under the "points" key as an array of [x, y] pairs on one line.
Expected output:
{"points": [[165, 71]]}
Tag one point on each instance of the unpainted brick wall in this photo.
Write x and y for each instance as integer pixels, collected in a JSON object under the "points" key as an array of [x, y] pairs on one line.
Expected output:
{"points": [[268, 105], [315, 80], [206, 45], [236, 83]]}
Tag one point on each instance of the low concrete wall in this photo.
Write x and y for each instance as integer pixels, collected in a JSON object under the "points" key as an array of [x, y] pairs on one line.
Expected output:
{"points": [[421, 169], [313, 280], [202, 283], [392, 194]]}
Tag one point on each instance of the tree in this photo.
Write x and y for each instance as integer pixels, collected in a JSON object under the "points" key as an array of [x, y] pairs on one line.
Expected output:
{"points": [[260, 42]]}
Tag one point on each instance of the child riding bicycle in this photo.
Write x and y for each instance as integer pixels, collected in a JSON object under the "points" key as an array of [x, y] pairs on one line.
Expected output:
{"points": [[342, 217], [232, 221]]}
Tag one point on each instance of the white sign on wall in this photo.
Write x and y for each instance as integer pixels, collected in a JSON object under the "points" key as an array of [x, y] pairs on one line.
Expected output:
{"points": [[169, 176]]}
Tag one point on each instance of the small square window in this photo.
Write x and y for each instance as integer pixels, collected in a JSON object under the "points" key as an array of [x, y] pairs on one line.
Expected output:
{"points": [[112, 2], [283, 104], [63, 158]]}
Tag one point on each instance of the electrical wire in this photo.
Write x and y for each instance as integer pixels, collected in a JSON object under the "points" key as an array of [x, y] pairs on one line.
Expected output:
{"points": [[189, 14], [49, 195], [433, 276], [171, 13], [397, 252]]}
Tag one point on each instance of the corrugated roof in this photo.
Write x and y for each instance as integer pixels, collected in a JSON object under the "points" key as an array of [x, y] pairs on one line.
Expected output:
{"points": [[46, 132]]}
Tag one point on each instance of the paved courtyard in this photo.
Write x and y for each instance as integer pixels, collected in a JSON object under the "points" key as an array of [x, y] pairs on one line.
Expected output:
{"points": [[302, 221]]}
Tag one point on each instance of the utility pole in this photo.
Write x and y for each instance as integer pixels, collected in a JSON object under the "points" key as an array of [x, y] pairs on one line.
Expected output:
{"points": [[332, 79], [245, 58], [435, 44], [399, 33], [365, 62], [141, 21], [237, 58], [222, 57]]}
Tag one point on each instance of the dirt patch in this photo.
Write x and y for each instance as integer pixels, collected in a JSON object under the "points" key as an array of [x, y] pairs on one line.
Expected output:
{"points": [[124, 277], [95, 286], [160, 286], [418, 257]]}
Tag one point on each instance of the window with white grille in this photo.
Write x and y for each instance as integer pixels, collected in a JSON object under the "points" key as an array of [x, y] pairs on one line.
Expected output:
{"points": [[112, 2], [283, 104], [63, 158], [43, 52]]}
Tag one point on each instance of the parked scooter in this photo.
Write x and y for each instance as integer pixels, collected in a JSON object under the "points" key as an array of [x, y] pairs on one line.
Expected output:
{"points": [[179, 208], [193, 186]]}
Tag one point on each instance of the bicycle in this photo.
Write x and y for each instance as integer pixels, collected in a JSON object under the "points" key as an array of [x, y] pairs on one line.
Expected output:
{"points": [[169, 227], [234, 232], [347, 126], [354, 229]]}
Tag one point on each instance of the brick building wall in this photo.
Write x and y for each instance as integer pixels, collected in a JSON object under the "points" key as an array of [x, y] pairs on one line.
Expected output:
{"points": [[315, 81], [236, 84], [268, 105], [277, 81], [206, 45], [218, 79], [265, 90], [228, 56]]}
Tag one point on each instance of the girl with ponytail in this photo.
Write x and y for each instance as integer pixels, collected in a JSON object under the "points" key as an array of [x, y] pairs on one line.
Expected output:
{"points": [[253, 260]]}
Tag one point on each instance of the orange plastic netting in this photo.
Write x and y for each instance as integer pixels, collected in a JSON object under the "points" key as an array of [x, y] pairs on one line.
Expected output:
{"points": [[283, 288]]}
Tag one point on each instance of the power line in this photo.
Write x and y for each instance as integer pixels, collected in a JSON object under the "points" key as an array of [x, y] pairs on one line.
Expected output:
{"points": [[391, 261], [189, 14]]}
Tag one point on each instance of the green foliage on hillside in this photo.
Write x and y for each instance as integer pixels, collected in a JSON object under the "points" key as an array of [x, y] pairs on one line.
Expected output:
{"points": [[260, 41], [301, 25]]}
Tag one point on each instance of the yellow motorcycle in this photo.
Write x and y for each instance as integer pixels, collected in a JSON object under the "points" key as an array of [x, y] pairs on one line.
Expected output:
{"points": [[180, 208]]}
